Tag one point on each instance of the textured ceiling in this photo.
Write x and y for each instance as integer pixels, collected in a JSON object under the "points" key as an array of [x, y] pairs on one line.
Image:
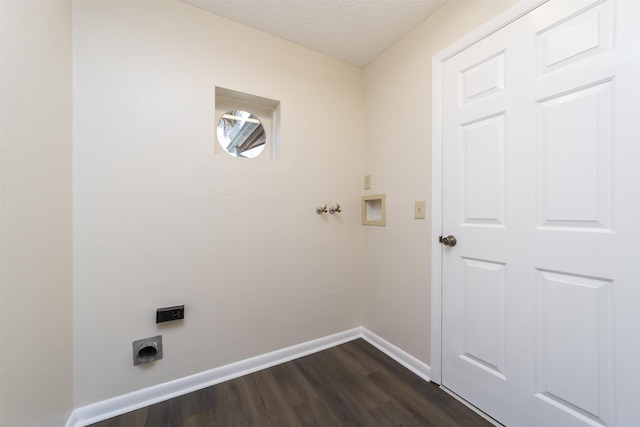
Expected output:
{"points": [[354, 31]]}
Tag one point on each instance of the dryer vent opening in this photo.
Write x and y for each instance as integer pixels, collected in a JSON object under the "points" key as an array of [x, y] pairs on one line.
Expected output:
{"points": [[147, 350]]}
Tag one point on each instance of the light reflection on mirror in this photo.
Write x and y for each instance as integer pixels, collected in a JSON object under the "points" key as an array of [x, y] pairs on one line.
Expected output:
{"points": [[241, 134]]}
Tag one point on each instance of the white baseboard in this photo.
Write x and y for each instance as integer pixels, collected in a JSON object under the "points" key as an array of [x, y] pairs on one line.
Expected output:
{"points": [[419, 368], [119, 405]]}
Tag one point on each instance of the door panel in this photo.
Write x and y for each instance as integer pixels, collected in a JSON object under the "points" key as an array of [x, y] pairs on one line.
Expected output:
{"points": [[540, 297], [484, 315], [483, 79], [483, 168], [575, 352], [575, 132], [582, 34]]}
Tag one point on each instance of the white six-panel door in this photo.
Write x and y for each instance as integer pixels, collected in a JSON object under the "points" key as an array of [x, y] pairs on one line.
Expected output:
{"points": [[540, 187]]}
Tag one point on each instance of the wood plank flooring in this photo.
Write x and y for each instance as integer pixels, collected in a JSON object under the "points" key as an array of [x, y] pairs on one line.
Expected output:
{"points": [[353, 384]]}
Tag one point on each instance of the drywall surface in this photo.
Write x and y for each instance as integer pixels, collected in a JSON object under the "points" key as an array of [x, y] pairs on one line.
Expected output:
{"points": [[397, 155], [36, 352], [160, 220]]}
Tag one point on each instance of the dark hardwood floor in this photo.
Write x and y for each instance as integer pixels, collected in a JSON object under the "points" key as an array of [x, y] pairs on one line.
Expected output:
{"points": [[353, 384]]}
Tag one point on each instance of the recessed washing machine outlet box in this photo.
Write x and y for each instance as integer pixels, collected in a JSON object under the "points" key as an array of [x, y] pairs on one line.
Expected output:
{"points": [[374, 211]]}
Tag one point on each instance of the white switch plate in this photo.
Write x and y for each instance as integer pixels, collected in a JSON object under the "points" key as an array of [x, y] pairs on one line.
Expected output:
{"points": [[367, 182], [420, 208]]}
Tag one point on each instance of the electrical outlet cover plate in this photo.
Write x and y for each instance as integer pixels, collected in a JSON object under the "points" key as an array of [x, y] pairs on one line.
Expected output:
{"points": [[167, 314]]}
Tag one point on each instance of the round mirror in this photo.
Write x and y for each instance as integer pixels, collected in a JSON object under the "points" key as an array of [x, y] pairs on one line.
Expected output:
{"points": [[241, 134]]}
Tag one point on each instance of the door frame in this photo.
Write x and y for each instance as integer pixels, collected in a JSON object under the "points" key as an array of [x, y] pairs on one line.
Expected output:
{"points": [[510, 15]]}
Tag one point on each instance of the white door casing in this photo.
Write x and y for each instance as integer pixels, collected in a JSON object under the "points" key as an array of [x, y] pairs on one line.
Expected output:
{"points": [[536, 309]]}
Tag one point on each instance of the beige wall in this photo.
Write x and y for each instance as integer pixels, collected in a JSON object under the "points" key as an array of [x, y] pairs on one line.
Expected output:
{"points": [[160, 220], [35, 214], [397, 155]]}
